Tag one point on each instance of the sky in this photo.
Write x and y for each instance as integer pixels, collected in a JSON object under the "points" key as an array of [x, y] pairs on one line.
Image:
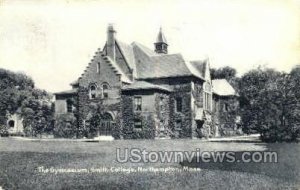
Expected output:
{"points": [[53, 41]]}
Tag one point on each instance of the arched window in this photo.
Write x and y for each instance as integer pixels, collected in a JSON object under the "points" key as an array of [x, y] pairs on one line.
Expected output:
{"points": [[105, 88], [93, 92], [11, 123]]}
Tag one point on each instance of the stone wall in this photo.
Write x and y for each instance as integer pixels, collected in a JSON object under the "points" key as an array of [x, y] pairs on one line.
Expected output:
{"points": [[226, 115], [201, 128], [162, 115], [181, 88], [107, 75], [146, 115], [61, 102]]}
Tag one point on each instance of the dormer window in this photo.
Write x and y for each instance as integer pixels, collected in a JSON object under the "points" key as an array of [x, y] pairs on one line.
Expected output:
{"points": [[93, 92]]}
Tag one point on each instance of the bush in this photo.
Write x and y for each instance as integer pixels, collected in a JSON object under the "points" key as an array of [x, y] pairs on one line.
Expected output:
{"points": [[65, 126], [3, 131]]}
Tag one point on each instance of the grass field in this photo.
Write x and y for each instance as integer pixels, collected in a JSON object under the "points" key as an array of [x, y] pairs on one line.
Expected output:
{"points": [[19, 162]]}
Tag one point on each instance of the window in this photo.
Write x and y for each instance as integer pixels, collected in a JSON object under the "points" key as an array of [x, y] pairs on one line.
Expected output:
{"points": [[11, 123], [98, 67], [161, 103], [138, 103], [69, 106], [93, 91], [138, 124], [225, 107], [178, 104], [162, 125], [207, 96], [105, 88], [178, 124]]}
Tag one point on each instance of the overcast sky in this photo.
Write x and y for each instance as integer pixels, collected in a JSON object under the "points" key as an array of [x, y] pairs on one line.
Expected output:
{"points": [[53, 41]]}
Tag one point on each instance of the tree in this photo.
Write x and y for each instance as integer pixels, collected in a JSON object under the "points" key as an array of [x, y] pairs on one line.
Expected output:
{"points": [[18, 95], [269, 104], [227, 73], [223, 73]]}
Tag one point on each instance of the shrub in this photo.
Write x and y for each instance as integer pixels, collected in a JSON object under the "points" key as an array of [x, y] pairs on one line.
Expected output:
{"points": [[3, 131], [65, 126]]}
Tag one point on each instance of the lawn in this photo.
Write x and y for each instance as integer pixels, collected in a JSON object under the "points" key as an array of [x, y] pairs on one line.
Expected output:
{"points": [[20, 160]]}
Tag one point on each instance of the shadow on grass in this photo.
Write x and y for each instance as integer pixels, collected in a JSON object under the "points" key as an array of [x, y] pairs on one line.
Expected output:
{"points": [[287, 166]]}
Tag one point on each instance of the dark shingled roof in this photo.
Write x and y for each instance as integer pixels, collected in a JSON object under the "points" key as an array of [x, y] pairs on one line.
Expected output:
{"points": [[147, 64], [72, 91], [142, 85]]}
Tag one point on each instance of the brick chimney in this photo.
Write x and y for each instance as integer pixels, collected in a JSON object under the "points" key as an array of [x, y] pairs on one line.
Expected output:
{"points": [[111, 42]]}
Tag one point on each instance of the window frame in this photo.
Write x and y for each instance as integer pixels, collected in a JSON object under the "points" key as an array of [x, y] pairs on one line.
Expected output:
{"points": [[92, 92], [177, 100], [178, 121], [140, 124], [138, 104], [207, 96], [104, 92], [69, 106], [161, 103]]}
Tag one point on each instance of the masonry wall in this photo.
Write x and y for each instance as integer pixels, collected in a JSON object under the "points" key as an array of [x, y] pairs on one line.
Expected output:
{"points": [[146, 116], [106, 75], [61, 102], [226, 115], [162, 115], [201, 128], [181, 88]]}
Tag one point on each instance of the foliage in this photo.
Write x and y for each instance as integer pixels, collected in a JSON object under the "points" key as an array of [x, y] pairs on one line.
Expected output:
{"points": [[223, 73], [270, 104], [65, 126], [3, 131], [227, 73], [18, 95], [37, 113]]}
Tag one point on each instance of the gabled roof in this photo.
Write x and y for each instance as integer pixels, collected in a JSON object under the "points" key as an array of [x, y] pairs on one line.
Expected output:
{"points": [[200, 66], [142, 85], [221, 87], [115, 66], [146, 64], [127, 51]]}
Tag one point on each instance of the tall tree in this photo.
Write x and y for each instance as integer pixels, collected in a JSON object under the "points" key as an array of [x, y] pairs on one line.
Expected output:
{"points": [[18, 95], [269, 104]]}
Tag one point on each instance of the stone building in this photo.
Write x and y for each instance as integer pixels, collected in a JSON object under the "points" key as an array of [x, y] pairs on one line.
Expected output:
{"points": [[226, 120], [144, 93], [14, 124]]}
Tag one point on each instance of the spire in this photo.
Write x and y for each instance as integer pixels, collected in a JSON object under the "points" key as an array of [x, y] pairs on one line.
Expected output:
{"points": [[161, 37], [161, 45]]}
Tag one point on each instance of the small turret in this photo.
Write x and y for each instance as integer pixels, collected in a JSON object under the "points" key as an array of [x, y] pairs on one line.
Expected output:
{"points": [[161, 45]]}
